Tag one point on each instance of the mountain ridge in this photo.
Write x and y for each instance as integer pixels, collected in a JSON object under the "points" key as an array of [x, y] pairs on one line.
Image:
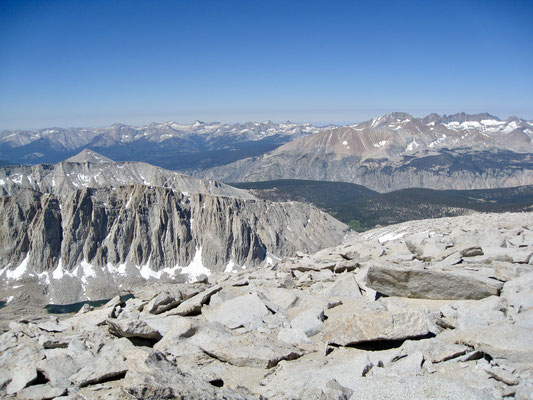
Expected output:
{"points": [[169, 145], [78, 231], [397, 151]]}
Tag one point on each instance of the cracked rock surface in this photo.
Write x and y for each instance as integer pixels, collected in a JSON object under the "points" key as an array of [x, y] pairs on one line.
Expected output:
{"points": [[374, 318]]}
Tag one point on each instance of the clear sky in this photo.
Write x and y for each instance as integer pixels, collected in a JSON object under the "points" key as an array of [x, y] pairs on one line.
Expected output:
{"points": [[93, 63]]}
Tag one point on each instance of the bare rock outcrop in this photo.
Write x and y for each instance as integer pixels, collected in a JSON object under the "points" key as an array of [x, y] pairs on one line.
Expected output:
{"points": [[286, 331]]}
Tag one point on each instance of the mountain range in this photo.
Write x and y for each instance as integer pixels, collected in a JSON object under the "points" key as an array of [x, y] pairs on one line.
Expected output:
{"points": [[391, 152], [170, 145], [398, 151]]}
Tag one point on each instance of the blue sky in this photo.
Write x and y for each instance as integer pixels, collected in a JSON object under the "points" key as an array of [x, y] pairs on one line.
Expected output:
{"points": [[93, 63]]}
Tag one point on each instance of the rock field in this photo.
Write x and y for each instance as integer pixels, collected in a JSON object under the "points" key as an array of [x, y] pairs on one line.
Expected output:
{"points": [[432, 309]]}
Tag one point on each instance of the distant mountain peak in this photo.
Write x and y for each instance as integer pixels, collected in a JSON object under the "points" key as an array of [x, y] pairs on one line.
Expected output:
{"points": [[397, 115], [464, 117], [89, 156]]}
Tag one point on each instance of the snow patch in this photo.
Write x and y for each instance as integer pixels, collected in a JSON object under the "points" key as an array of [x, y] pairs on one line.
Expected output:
{"points": [[59, 271], [438, 141], [492, 122], [43, 276], [510, 127], [17, 178], [119, 269], [272, 259], [147, 272], [391, 236], [196, 268], [229, 267], [380, 144], [19, 272], [129, 200], [88, 271], [412, 145]]}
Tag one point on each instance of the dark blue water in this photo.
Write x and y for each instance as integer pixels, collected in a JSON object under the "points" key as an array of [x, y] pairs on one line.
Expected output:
{"points": [[75, 307]]}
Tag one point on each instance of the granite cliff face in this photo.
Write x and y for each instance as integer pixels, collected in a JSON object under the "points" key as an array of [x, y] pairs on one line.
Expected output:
{"points": [[398, 151], [87, 242]]}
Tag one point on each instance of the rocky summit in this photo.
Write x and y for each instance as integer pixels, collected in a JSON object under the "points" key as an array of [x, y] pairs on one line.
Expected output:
{"points": [[439, 309]]}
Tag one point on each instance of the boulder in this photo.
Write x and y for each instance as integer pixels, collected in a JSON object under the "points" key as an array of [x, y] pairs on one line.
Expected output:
{"points": [[413, 388], [344, 286], [501, 340], [152, 376], [431, 284], [344, 327], [132, 328], [309, 321], [250, 351], [57, 368], [244, 311], [332, 391], [180, 329], [502, 375], [100, 370], [284, 298], [40, 392], [472, 251], [193, 305], [410, 364], [22, 376], [53, 326], [166, 324], [308, 264], [293, 336], [300, 378], [163, 302]]}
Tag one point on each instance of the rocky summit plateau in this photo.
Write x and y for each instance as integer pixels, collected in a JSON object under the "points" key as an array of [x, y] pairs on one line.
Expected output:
{"points": [[430, 309]]}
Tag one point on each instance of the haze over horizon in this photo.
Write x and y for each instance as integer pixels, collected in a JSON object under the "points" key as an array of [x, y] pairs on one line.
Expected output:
{"points": [[92, 64]]}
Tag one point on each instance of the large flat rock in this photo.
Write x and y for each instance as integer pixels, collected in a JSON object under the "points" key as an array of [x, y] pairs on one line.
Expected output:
{"points": [[413, 388], [244, 351], [193, 306], [294, 379], [243, 311], [501, 340], [431, 284], [344, 327], [132, 328], [151, 376]]}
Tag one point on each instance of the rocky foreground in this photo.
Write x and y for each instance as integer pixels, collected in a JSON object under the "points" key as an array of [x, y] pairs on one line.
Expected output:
{"points": [[439, 309]]}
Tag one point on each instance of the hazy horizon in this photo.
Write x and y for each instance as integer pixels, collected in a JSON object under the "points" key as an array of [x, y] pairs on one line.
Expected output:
{"points": [[188, 121]]}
